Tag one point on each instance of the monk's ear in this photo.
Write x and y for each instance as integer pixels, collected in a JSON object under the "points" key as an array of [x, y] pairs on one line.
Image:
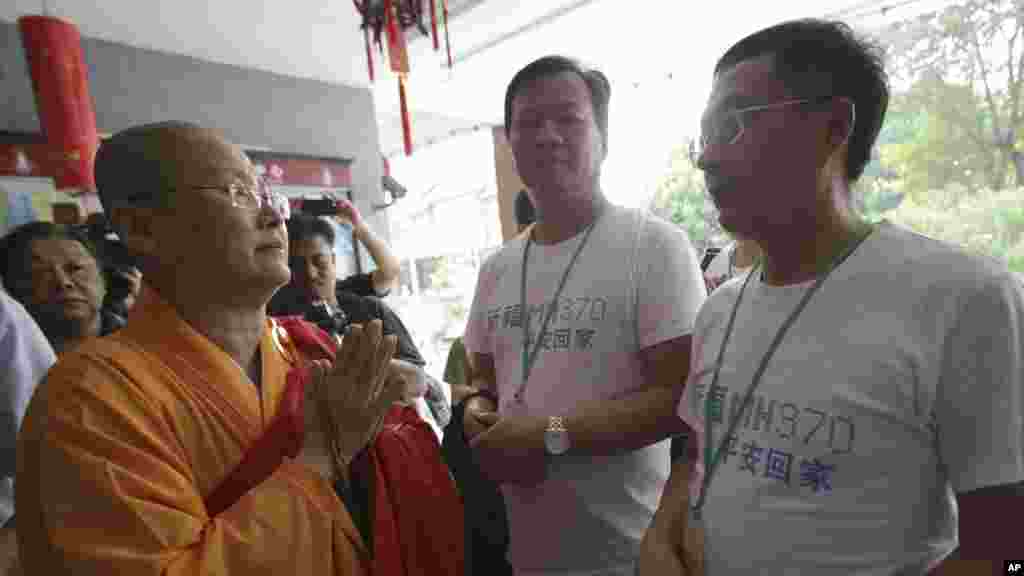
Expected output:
{"points": [[136, 226]]}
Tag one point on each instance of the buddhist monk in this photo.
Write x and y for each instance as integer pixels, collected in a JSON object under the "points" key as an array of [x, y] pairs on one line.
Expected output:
{"points": [[189, 442]]}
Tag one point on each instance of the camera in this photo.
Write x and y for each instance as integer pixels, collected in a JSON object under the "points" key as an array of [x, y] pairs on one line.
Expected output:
{"points": [[392, 186], [116, 260], [327, 318], [317, 206], [709, 255]]}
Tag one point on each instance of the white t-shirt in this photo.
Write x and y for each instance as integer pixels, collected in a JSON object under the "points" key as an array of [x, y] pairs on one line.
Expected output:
{"points": [[901, 382], [25, 357], [636, 283]]}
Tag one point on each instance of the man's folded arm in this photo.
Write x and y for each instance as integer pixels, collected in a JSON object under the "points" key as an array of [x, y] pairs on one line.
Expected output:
{"points": [[482, 374]]}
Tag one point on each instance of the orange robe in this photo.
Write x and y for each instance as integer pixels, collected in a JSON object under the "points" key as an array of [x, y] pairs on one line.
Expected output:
{"points": [[127, 436]]}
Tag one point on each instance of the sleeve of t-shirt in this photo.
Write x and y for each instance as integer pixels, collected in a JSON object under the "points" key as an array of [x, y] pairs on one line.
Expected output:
{"points": [[670, 285], [25, 355], [979, 404], [477, 338], [360, 284]]}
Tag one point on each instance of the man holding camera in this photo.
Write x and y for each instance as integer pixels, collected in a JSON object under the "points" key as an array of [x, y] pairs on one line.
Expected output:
{"points": [[315, 265], [315, 291], [199, 439], [316, 294], [124, 280]]}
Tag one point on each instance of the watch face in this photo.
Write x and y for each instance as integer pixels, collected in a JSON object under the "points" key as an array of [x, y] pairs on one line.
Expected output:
{"points": [[556, 441]]}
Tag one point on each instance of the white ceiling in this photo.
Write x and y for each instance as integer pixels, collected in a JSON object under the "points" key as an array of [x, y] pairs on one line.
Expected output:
{"points": [[315, 39], [633, 42], [304, 38], [637, 44], [628, 44]]}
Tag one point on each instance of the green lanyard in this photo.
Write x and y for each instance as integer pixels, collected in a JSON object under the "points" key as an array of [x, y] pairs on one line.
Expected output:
{"points": [[528, 357], [711, 459]]}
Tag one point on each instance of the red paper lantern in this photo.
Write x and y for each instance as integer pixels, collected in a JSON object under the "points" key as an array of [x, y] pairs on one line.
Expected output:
{"points": [[53, 48]]}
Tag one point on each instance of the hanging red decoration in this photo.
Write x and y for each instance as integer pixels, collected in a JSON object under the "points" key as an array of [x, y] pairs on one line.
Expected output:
{"points": [[369, 51], [447, 42], [53, 48], [433, 22], [376, 21], [398, 53], [389, 20], [406, 123]]}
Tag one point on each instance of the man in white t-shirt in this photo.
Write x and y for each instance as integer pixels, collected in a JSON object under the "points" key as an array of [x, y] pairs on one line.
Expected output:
{"points": [[579, 440], [862, 394], [25, 357]]}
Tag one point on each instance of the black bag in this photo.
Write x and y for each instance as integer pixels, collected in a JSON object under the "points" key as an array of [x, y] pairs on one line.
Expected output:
{"points": [[486, 521]]}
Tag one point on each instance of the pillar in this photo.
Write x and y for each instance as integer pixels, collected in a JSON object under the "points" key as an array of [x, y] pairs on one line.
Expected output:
{"points": [[509, 183]]}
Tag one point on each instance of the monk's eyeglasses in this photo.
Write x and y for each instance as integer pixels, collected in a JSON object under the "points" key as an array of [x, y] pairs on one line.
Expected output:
{"points": [[254, 196]]}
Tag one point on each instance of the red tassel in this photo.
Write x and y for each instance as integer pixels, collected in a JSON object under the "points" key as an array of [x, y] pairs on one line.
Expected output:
{"points": [[433, 23], [389, 18], [369, 52], [406, 123], [447, 42], [397, 53]]}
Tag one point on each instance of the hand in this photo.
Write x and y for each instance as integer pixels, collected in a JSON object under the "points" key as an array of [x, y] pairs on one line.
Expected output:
{"points": [[413, 379], [134, 277], [346, 402], [348, 211], [9, 565], [658, 557], [460, 392], [480, 413], [511, 450]]}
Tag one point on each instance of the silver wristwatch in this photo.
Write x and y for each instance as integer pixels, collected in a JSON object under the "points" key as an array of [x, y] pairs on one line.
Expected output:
{"points": [[556, 437]]}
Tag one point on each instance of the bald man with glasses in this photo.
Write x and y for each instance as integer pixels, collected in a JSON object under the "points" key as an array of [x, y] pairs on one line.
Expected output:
{"points": [[200, 439]]}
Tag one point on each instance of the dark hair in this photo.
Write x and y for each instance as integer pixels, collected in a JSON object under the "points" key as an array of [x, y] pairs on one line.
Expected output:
{"points": [[132, 169], [16, 250], [302, 226], [525, 214], [826, 58], [597, 83]]}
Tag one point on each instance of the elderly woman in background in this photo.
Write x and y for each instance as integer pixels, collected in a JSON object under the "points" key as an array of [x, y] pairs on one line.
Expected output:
{"points": [[55, 272]]}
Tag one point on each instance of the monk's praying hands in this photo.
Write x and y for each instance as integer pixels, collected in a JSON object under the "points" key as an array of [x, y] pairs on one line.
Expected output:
{"points": [[346, 402]]}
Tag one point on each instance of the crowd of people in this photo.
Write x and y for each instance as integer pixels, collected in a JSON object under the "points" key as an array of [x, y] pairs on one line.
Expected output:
{"points": [[824, 396]]}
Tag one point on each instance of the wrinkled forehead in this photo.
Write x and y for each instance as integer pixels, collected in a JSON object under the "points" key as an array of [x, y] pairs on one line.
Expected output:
{"points": [[310, 246], [204, 157], [748, 83], [51, 249], [553, 92]]}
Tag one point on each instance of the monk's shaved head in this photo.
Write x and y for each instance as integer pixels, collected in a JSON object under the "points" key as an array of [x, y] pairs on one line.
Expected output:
{"points": [[139, 166]]}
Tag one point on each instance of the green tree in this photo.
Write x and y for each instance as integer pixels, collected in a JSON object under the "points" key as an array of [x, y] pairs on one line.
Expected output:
{"points": [[965, 66], [988, 222], [681, 199], [440, 274], [881, 187], [938, 154]]}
